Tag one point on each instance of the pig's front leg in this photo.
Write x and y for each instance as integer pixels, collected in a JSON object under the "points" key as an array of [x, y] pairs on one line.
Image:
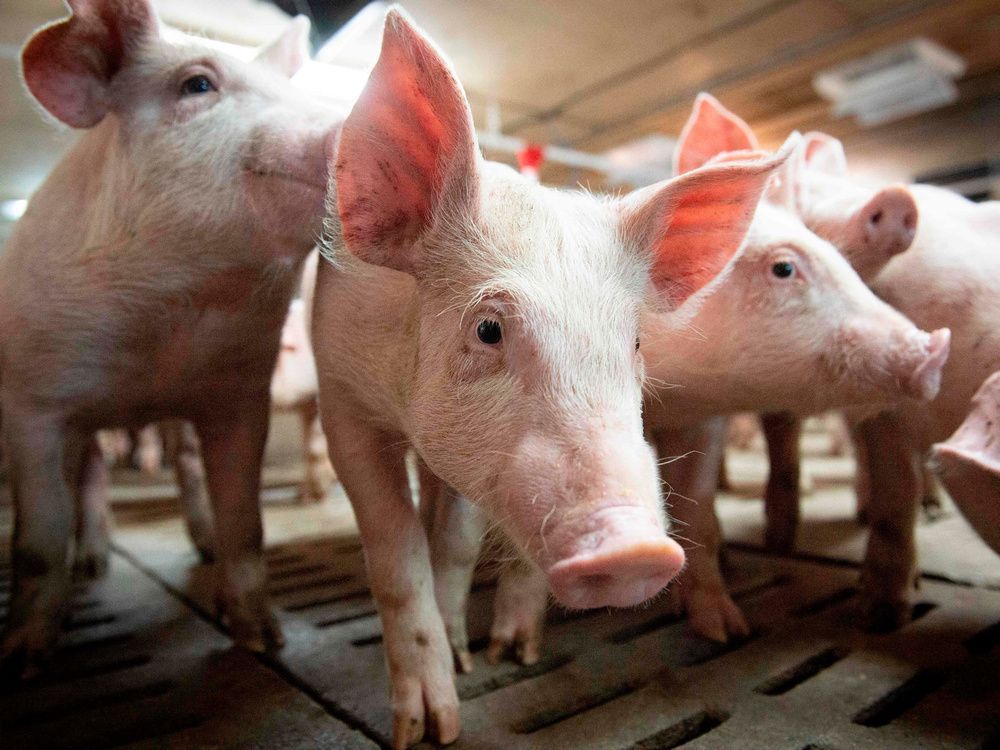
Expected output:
{"points": [[232, 445], [93, 527], [193, 492], [781, 496], [455, 530], [370, 465], [519, 613], [689, 461], [890, 567], [42, 460]]}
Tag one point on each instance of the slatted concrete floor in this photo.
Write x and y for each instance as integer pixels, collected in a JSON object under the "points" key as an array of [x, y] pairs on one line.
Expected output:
{"points": [[144, 666]]}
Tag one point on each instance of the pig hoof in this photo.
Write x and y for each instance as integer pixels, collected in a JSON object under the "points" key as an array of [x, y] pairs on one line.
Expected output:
{"points": [[255, 629], [885, 616], [523, 647], [24, 653], [414, 715], [258, 636], [90, 566], [714, 615], [463, 661]]}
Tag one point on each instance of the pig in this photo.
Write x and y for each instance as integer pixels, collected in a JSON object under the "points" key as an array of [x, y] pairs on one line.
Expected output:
{"points": [[492, 325], [294, 388], [874, 228], [149, 278], [947, 277], [791, 327], [969, 462]]}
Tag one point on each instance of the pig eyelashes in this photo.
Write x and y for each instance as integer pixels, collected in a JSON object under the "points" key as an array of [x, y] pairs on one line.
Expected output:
{"points": [[489, 331]]}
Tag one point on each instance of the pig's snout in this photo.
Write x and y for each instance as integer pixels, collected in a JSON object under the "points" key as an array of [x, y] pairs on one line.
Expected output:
{"points": [[624, 559], [926, 378], [889, 221]]}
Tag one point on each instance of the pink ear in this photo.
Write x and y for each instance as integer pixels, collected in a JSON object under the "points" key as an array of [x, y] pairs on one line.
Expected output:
{"points": [[710, 130], [68, 65], [824, 153], [696, 223], [407, 151], [290, 51]]}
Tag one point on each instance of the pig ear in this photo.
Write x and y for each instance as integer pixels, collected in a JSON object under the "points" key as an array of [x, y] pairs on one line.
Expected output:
{"points": [[824, 153], [694, 224], [290, 51], [68, 65], [407, 151], [710, 130]]}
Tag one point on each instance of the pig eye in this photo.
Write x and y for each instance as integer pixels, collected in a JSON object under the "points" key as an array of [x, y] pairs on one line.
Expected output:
{"points": [[783, 269], [199, 84], [637, 343], [488, 332]]}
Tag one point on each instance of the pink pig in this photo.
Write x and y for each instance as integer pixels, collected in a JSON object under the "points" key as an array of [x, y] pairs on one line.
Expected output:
{"points": [[948, 277], [492, 324], [149, 278]]}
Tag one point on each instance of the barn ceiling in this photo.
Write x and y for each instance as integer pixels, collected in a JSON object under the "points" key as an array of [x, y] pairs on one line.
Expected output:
{"points": [[593, 74]]}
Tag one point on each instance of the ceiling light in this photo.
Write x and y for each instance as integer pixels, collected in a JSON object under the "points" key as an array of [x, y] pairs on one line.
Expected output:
{"points": [[893, 82]]}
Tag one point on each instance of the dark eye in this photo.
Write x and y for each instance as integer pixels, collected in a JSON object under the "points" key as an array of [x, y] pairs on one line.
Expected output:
{"points": [[488, 332], [783, 269], [199, 84], [637, 343]]}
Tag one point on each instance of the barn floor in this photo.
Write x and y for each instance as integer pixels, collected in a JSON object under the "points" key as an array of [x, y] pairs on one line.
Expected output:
{"points": [[144, 664]]}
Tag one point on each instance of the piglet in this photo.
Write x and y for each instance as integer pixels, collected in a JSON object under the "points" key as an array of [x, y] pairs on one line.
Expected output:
{"points": [[947, 277], [492, 324], [149, 277]]}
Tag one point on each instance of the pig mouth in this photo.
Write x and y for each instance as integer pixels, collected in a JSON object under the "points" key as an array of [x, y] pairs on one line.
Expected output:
{"points": [[260, 172]]}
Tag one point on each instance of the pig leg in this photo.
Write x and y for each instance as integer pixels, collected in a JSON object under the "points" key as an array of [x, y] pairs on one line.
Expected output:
{"points": [[781, 496], [42, 458], [319, 472], [371, 466], [862, 475], [518, 613], [724, 483], [93, 529], [233, 447], [930, 499], [193, 493], [691, 482], [455, 530], [149, 449], [890, 567]]}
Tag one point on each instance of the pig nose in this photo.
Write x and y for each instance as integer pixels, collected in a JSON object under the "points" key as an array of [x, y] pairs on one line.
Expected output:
{"points": [[622, 570], [891, 220], [926, 379]]}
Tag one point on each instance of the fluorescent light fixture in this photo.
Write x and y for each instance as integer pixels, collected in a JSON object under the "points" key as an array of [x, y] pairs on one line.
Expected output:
{"points": [[893, 82], [12, 210], [642, 161]]}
